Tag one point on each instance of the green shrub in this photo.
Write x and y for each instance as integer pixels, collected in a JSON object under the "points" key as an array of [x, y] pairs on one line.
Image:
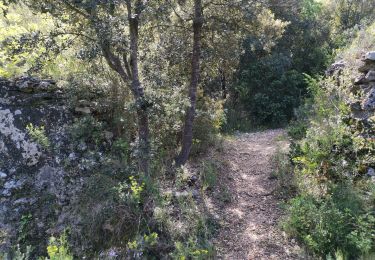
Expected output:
{"points": [[17, 254], [57, 249], [190, 250], [109, 210], [143, 246], [333, 216], [297, 129], [284, 173], [209, 175], [209, 120], [38, 134], [87, 129], [332, 224]]}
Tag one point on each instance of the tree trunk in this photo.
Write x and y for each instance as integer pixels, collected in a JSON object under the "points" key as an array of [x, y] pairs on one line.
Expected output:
{"points": [[137, 89], [223, 83], [187, 138]]}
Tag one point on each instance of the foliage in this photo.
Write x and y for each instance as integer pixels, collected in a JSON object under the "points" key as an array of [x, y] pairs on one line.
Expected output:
{"points": [[338, 222], [38, 134], [191, 251], [143, 246], [135, 189], [209, 175], [18, 22], [284, 173], [57, 248], [333, 214], [109, 212], [24, 228], [87, 129], [270, 84], [209, 120], [254, 56], [17, 254]]}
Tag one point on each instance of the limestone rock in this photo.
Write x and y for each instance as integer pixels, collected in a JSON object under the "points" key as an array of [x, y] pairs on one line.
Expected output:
{"points": [[49, 178], [23, 101], [83, 110], [29, 149], [33, 85], [370, 76], [369, 101], [85, 107], [371, 172], [366, 67], [11, 185], [370, 56], [360, 80], [336, 67]]}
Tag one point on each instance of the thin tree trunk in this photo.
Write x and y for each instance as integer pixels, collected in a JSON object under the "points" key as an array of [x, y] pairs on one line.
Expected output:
{"points": [[223, 83], [142, 113], [187, 138]]}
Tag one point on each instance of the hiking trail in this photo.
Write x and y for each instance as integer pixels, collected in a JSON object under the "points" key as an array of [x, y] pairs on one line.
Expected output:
{"points": [[250, 221]]}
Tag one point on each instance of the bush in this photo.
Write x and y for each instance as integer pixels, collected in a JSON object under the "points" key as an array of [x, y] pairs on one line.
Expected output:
{"points": [[269, 97], [17, 254], [333, 215], [336, 223], [209, 175], [38, 134], [109, 212], [283, 172], [210, 117], [58, 249]]}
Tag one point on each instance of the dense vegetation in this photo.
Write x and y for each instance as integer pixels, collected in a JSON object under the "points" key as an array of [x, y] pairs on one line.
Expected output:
{"points": [[333, 154], [174, 77]]}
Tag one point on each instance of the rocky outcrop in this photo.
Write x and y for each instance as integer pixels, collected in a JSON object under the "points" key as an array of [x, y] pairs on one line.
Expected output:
{"points": [[24, 163], [336, 68], [363, 108], [360, 97], [42, 173]]}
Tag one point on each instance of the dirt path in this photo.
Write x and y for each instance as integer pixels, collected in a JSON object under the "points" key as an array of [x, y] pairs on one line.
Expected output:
{"points": [[249, 223]]}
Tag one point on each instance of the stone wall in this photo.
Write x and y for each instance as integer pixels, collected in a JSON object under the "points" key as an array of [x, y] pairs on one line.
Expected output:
{"points": [[38, 184], [364, 88], [31, 176], [361, 100]]}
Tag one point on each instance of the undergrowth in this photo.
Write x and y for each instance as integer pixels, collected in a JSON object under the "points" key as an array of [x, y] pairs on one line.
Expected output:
{"points": [[332, 214]]}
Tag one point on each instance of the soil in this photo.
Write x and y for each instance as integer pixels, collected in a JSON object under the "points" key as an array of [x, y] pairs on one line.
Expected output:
{"points": [[250, 220]]}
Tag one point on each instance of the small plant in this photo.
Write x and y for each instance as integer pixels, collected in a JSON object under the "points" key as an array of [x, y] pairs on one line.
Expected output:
{"points": [[136, 189], [38, 134], [191, 250], [24, 227], [140, 247], [297, 129], [224, 195], [121, 148], [57, 249], [17, 254], [209, 175], [284, 173], [182, 177], [88, 129], [132, 190]]}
